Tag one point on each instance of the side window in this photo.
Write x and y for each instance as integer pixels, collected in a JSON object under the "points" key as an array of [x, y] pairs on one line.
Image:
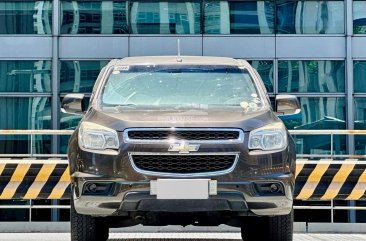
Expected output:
{"points": [[261, 81], [97, 83], [262, 86], [272, 101]]}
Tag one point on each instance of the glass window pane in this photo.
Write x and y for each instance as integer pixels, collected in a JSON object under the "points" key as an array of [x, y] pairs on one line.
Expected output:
{"points": [[25, 17], [359, 124], [324, 76], [310, 17], [94, 17], [239, 17], [319, 113], [79, 76], [359, 76], [320, 144], [25, 76], [359, 17], [22, 113], [265, 70], [166, 17]]}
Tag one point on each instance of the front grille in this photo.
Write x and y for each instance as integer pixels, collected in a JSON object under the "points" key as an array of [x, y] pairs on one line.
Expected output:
{"points": [[183, 164], [188, 135]]}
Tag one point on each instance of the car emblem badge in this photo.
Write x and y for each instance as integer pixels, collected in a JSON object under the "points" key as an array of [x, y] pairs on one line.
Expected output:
{"points": [[183, 148]]}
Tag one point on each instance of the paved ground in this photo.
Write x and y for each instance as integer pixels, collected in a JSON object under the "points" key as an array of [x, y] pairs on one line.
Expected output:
{"points": [[175, 237]]}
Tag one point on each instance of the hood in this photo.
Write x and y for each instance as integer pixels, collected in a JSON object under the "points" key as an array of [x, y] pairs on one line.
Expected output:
{"points": [[209, 118]]}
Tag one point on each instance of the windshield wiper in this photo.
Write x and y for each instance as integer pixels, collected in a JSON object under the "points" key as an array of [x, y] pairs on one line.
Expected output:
{"points": [[128, 106], [191, 106]]}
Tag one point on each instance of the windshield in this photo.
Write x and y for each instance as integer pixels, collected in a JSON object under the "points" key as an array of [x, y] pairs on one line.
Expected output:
{"points": [[180, 86]]}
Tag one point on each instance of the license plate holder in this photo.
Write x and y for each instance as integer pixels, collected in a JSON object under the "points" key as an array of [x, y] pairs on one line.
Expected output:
{"points": [[183, 188]]}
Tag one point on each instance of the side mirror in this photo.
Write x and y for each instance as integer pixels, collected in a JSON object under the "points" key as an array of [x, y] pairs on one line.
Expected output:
{"points": [[73, 104], [287, 105]]}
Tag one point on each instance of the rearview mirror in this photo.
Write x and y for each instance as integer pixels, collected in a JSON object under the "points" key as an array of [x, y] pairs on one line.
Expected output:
{"points": [[73, 104], [287, 105]]}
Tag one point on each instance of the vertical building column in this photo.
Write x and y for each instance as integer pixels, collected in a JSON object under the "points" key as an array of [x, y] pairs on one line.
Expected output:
{"points": [[349, 72], [349, 88], [275, 76], [55, 88]]}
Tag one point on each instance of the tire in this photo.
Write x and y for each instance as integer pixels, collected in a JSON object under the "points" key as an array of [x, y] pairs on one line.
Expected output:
{"points": [[87, 228], [277, 228]]}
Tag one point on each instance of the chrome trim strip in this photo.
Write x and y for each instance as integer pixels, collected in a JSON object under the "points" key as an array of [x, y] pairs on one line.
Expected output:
{"points": [[126, 139], [199, 174]]}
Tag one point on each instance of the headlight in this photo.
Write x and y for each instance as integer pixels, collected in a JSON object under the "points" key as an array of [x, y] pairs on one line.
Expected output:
{"points": [[96, 137], [268, 138]]}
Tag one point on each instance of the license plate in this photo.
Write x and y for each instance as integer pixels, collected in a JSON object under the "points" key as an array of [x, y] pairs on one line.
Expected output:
{"points": [[183, 188]]}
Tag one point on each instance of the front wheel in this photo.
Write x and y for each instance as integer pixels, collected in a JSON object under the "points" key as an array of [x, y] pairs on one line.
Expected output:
{"points": [[87, 228], [277, 228]]}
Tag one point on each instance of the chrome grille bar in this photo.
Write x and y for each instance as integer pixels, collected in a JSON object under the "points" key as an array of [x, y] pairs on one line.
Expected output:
{"points": [[175, 135]]}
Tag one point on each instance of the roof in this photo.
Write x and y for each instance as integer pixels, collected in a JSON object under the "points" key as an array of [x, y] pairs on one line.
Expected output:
{"points": [[189, 60]]}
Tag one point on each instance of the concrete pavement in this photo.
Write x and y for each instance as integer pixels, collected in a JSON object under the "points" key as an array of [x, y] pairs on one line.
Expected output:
{"points": [[173, 236]]}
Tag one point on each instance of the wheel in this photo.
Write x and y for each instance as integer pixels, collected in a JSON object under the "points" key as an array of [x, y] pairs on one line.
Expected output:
{"points": [[277, 228], [87, 228]]}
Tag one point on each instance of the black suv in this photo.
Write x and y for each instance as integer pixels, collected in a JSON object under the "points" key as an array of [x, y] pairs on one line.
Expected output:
{"points": [[170, 140]]}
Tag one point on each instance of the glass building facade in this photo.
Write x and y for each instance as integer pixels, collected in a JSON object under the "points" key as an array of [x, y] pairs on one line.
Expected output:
{"points": [[312, 49]]}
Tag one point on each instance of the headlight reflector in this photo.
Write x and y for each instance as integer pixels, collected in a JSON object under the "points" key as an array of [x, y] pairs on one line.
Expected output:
{"points": [[97, 137], [268, 138]]}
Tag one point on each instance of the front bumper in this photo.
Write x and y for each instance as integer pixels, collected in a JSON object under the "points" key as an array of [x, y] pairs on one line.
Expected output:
{"points": [[239, 197]]}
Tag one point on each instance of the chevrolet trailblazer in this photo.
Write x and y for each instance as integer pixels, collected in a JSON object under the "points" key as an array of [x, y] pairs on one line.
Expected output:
{"points": [[180, 140]]}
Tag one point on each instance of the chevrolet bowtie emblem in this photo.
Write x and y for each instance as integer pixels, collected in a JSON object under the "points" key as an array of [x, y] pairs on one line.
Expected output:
{"points": [[183, 148]]}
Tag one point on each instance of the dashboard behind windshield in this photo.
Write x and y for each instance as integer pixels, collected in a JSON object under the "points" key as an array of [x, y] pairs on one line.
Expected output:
{"points": [[180, 86]]}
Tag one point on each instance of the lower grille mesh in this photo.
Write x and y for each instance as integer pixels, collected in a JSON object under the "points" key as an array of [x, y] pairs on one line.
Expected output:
{"points": [[184, 163]]}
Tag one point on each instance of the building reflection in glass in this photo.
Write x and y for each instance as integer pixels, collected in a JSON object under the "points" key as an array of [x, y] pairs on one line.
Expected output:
{"points": [[359, 17], [323, 76], [22, 113], [94, 17], [79, 76], [265, 70], [219, 17], [310, 17], [25, 76], [360, 124], [25, 17], [239, 17], [165, 17], [320, 113], [359, 76]]}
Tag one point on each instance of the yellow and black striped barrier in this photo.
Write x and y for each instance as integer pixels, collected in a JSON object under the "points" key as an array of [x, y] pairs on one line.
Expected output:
{"points": [[328, 179], [324, 179], [34, 179]]}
